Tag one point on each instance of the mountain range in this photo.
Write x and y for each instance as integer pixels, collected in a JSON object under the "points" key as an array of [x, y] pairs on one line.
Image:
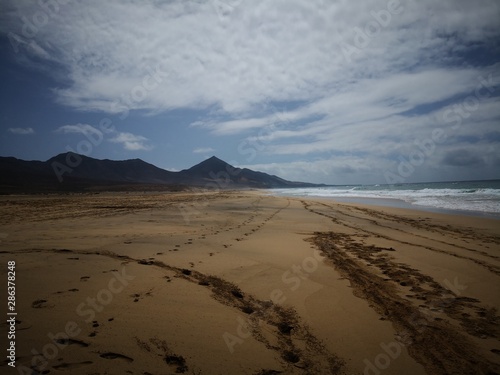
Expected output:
{"points": [[69, 172]]}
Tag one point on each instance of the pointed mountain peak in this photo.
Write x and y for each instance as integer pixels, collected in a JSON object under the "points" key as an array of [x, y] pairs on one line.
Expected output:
{"points": [[210, 165], [213, 161]]}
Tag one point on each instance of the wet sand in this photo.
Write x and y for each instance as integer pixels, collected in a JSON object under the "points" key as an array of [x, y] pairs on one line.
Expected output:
{"points": [[245, 283]]}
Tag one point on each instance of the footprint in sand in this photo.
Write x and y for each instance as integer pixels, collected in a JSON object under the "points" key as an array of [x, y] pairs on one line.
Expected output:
{"points": [[40, 303], [72, 342], [178, 362], [71, 366], [111, 355], [20, 325], [64, 251]]}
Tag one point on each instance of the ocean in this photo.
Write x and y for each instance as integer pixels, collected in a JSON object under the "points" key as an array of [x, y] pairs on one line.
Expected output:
{"points": [[481, 198]]}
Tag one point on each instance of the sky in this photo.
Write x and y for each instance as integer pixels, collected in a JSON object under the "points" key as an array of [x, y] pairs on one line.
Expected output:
{"points": [[324, 91]]}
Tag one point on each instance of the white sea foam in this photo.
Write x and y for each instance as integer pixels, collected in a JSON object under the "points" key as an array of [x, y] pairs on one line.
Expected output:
{"points": [[486, 200]]}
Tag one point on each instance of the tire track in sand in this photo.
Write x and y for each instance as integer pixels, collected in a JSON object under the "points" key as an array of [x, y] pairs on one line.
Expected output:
{"points": [[490, 267], [431, 339]]}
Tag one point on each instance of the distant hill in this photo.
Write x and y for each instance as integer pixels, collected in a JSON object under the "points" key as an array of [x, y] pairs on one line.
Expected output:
{"points": [[215, 170], [74, 172]]}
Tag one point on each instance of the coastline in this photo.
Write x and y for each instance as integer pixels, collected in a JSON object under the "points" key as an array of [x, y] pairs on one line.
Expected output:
{"points": [[398, 203], [244, 282], [395, 203]]}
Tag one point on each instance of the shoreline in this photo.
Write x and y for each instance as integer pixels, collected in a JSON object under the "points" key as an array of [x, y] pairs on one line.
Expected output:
{"points": [[244, 282], [398, 203]]}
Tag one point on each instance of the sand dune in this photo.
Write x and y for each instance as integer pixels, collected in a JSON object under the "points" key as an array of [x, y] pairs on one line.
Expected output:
{"points": [[245, 283]]}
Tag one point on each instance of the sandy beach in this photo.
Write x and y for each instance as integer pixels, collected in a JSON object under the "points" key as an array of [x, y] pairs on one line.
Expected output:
{"points": [[245, 283]]}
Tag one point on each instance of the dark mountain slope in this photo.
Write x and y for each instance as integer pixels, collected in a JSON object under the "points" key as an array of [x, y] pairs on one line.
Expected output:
{"points": [[214, 170], [73, 172], [132, 170]]}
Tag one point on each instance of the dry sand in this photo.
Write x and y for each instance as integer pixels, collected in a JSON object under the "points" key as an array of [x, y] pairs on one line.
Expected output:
{"points": [[244, 283]]}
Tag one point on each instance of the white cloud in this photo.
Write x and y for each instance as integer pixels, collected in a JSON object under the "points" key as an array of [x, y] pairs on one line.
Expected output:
{"points": [[203, 150], [21, 131], [129, 141], [84, 129], [280, 50], [132, 142]]}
